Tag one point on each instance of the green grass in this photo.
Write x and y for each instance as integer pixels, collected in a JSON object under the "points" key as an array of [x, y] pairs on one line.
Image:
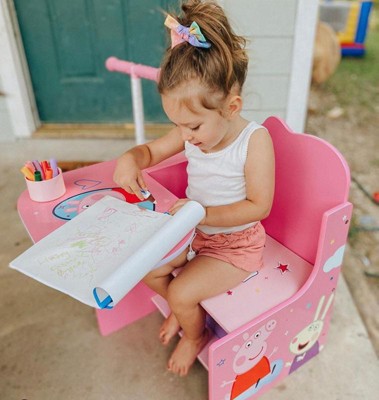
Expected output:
{"points": [[356, 81]]}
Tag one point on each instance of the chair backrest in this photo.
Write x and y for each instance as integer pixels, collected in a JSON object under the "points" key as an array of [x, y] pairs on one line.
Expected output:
{"points": [[311, 178]]}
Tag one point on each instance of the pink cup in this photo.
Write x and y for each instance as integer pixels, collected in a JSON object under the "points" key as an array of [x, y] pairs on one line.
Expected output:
{"points": [[47, 190]]}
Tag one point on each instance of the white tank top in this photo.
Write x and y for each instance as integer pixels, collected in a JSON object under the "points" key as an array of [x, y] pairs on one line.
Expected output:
{"points": [[218, 178]]}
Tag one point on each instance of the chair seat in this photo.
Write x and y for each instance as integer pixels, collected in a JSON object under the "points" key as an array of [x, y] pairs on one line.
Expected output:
{"points": [[282, 275]]}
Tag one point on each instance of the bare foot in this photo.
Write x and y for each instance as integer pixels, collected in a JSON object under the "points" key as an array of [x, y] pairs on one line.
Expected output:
{"points": [[169, 329], [186, 352]]}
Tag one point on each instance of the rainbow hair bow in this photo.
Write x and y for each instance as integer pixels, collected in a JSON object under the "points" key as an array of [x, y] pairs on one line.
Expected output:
{"points": [[180, 33]]}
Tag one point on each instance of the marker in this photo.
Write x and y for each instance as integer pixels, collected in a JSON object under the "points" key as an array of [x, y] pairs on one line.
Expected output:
{"points": [[37, 166], [27, 173], [54, 166], [148, 196], [30, 165], [44, 165], [48, 173], [37, 176]]}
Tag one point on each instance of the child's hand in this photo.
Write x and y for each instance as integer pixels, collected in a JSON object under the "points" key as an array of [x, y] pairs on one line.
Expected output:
{"points": [[179, 204], [129, 176]]}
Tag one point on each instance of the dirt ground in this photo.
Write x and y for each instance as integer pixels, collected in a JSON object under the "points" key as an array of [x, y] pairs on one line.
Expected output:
{"points": [[355, 132]]}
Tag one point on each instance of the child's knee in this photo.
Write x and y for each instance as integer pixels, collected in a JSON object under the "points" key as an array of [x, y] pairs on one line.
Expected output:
{"points": [[178, 297], [160, 272], [148, 277]]}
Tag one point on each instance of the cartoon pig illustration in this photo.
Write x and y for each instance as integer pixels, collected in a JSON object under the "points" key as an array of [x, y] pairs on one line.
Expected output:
{"points": [[250, 363], [305, 344], [72, 206]]}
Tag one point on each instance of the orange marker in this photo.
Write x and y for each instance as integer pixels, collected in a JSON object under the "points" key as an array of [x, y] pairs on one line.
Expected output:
{"points": [[27, 173], [48, 173], [44, 167]]}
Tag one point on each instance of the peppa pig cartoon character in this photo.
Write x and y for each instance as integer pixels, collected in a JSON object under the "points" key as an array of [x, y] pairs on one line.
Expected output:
{"points": [[252, 367], [71, 207], [305, 344]]}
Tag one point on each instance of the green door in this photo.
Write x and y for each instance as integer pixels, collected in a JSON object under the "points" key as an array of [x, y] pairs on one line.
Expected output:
{"points": [[66, 45]]}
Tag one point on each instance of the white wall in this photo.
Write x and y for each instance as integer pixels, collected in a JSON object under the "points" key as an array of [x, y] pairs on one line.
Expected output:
{"points": [[280, 35]]}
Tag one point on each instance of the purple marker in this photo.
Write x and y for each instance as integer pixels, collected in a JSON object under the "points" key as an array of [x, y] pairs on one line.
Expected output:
{"points": [[38, 167], [54, 166]]}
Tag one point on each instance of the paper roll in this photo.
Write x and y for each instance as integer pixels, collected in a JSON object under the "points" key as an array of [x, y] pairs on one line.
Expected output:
{"points": [[121, 281]]}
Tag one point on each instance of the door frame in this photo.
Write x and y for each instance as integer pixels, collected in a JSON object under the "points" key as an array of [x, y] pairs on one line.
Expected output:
{"points": [[16, 82]]}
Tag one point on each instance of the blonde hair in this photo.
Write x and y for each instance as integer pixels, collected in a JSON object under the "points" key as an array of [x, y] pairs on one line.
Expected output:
{"points": [[220, 68]]}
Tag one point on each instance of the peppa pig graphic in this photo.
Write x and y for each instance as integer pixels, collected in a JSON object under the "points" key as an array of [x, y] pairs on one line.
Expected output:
{"points": [[72, 206], [305, 344], [251, 365]]}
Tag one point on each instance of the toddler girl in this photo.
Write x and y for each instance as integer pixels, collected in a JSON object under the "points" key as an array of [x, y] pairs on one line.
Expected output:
{"points": [[230, 170]]}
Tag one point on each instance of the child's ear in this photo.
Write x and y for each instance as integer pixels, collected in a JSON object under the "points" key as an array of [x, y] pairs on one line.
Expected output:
{"points": [[234, 106]]}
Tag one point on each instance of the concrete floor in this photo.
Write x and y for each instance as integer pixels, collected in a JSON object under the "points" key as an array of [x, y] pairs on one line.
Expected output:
{"points": [[50, 347]]}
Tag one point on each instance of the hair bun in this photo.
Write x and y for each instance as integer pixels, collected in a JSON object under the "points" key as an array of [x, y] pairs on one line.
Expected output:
{"points": [[190, 11], [219, 67], [189, 5]]}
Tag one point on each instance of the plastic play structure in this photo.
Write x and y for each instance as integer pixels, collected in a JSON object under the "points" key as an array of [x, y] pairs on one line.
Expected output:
{"points": [[277, 319], [349, 19]]}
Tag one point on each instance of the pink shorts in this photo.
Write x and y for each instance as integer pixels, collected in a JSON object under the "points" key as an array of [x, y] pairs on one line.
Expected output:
{"points": [[243, 249]]}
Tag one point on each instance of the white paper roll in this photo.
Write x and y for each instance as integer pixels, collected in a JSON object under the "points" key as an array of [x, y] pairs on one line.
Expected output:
{"points": [[121, 281]]}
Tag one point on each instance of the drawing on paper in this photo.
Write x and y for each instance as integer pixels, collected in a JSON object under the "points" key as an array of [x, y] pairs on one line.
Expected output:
{"points": [[94, 249]]}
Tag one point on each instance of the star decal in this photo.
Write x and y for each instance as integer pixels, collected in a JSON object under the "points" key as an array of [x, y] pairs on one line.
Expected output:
{"points": [[229, 292], [283, 268]]}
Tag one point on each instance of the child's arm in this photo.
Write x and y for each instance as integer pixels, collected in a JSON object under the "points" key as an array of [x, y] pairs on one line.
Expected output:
{"points": [[260, 177], [130, 164]]}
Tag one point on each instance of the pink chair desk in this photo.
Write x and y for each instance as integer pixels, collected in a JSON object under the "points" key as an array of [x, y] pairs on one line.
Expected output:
{"points": [[84, 187], [278, 318]]}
